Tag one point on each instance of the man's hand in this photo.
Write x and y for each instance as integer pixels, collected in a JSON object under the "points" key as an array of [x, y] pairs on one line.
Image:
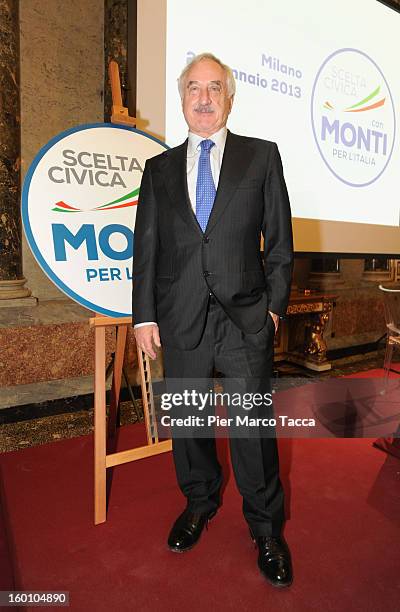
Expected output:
{"points": [[145, 336], [275, 319]]}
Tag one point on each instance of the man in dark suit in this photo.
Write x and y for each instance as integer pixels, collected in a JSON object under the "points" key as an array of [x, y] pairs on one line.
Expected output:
{"points": [[202, 286]]}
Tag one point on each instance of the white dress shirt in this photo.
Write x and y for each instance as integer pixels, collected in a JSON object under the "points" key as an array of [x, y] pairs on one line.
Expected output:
{"points": [[192, 168], [193, 156]]}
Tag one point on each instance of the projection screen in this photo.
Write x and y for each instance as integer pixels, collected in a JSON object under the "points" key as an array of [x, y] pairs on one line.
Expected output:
{"points": [[320, 79]]}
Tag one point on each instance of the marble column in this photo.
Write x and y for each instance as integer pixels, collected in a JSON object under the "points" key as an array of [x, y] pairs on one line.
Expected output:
{"points": [[115, 48], [11, 278]]}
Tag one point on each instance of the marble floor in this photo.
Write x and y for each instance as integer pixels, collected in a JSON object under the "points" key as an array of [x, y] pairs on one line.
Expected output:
{"points": [[69, 424]]}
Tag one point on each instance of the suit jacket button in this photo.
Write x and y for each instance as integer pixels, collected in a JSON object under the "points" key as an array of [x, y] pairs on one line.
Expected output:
{"points": [[206, 273], [206, 240]]}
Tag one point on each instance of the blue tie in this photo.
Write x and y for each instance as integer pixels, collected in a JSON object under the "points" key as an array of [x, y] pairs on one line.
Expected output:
{"points": [[205, 188]]}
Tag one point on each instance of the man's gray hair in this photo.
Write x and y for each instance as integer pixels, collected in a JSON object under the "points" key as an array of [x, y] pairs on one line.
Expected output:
{"points": [[230, 79]]}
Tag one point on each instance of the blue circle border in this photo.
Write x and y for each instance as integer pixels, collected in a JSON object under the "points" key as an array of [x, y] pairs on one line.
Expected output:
{"points": [[346, 49], [25, 214]]}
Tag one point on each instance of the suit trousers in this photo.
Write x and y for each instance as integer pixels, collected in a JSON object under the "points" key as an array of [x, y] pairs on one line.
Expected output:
{"points": [[245, 360]]}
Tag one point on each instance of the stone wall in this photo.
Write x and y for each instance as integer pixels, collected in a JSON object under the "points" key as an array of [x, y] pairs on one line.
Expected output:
{"points": [[115, 47], [62, 81], [358, 316]]}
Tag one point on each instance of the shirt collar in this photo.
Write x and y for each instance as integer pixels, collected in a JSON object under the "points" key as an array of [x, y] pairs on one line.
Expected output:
{"points": [[194, 141]]}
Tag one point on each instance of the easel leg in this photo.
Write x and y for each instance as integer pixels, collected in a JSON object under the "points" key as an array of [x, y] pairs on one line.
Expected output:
{"points": [[147, 397], [100, 427], [116, 382]]}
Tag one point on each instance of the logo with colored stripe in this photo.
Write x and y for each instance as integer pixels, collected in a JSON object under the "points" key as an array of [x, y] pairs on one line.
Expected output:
{"points": [[79, 209], [130, 199], [353, 117], [366, 104]]}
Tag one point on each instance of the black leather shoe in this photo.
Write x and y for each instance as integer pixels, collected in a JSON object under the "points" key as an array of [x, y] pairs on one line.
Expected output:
{"points": [[274, 560], [187, 530]]}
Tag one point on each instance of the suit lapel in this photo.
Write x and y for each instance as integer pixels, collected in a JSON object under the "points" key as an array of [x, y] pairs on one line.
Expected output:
{"points": [[175, 177], [237, 158]]}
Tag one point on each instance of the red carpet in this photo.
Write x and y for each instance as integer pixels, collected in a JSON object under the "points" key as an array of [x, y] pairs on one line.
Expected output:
{"points": [[377, 373], [6, 570], [343, 530]]}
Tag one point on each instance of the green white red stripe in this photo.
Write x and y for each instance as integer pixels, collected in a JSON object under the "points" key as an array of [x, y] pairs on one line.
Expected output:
{"points": [[130, 199]]}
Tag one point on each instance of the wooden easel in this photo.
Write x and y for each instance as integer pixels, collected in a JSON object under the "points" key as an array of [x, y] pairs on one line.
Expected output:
{"points": [[102, 460]]}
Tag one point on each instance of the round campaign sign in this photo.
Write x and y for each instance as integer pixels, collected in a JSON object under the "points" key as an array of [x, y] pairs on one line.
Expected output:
{"points": [[79, 205], [353, 117]]}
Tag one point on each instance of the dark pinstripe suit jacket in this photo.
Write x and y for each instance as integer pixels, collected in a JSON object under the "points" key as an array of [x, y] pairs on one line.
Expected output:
{"points": [[176, 265]]}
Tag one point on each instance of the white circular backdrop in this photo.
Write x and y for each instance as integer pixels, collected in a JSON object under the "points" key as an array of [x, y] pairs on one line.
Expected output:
{"points": [[79, 205]]}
